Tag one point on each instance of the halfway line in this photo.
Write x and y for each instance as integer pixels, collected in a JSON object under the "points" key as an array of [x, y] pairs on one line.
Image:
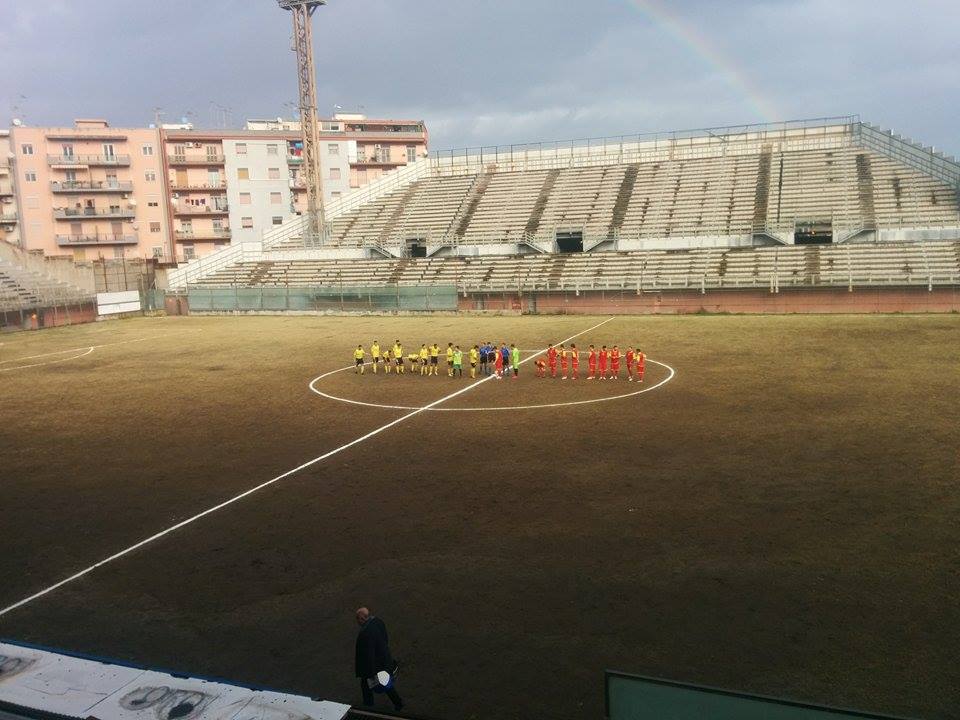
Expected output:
{"points": [[288, 473]]}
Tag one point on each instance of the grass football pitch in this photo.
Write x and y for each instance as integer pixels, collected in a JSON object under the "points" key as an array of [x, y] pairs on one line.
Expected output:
{"points": [[780, 517]]}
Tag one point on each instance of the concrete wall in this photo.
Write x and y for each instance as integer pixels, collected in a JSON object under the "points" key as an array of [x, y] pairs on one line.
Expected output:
{"points": [[805, 300]]}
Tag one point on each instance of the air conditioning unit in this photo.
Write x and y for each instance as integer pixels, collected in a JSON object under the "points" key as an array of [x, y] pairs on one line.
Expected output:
{"points": [[196, 144]]}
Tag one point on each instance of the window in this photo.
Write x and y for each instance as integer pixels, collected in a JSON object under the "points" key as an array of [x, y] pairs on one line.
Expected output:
{"points": [[243, 173], [411, 153], [71, 176], [179, 149], [334, 173], [147, 150], [118, 253], [186, 226], [275, 198], [154, 227], [217, 224], [67, 150], [79, 254], [26, 149], [212, 153], [241, 148], [246, 222], [30, 176], [277, 220], [244, 198], [333, 149], [272, 150], [108, 150], [33, 202], [150, 176], [189, 253], [153, 204], [273, 173], [157, 251], [213, 178]]}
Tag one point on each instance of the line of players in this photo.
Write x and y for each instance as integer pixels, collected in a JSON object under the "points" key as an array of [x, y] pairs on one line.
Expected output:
{"points": [[504, 361], [601, 365], [427, 359]]}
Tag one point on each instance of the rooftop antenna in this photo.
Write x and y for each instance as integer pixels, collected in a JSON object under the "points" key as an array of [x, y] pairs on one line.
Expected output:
{"points": [[302, 11]]}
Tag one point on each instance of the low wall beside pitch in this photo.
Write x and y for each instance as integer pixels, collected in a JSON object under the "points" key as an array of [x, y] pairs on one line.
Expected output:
{"points": [[753, 301]]}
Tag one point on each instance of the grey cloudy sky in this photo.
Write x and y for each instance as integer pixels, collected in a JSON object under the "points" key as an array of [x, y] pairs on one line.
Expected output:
{"points": [[498, 71]]}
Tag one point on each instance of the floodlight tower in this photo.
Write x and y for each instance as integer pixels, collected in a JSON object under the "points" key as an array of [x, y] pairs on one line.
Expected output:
{"points": [[302, 11]]}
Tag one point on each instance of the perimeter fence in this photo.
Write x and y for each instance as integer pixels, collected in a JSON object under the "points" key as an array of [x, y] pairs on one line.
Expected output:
{"points": [[360, 299]]}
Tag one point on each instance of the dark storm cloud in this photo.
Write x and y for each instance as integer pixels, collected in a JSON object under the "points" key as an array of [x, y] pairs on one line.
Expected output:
{"points": [[493, 72]]}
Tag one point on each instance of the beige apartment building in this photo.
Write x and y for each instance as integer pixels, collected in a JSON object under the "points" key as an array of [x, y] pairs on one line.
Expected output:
{"points": [[9, 228]]}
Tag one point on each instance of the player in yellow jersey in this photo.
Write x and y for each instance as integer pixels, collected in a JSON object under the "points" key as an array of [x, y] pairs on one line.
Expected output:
{"points": [[386, 361], [449, 359], [434, 358], [398, 356], [375, 356], [424, 359], [474, 357], [358, 358]]}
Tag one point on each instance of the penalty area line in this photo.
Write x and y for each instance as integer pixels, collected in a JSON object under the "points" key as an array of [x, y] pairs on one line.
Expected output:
{"points": [[320, 458]]}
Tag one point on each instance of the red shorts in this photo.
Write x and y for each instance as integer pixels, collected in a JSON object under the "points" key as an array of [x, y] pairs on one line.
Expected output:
{"points": [[615, 367]]}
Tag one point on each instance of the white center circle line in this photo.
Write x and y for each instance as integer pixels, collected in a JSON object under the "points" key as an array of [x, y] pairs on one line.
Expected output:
{"points": [[313, 388]]}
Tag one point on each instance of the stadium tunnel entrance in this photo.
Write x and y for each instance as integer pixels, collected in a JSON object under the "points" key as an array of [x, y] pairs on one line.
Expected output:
{"points": [[416, 249], [570, 242], [813, 233]]}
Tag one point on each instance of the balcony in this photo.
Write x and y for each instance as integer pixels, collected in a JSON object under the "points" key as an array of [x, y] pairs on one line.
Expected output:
{"points": [[199, 210], [87, 160], [196, 159], [83, 186], [199, 187], [7, 218], [96, 239], [92, 213], [214, 234], [374, 162], [6, 190], [295, 159]]}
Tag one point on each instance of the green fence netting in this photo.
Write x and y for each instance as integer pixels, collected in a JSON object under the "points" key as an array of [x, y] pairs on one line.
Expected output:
{"points": [[633, 697], [339, 299]]}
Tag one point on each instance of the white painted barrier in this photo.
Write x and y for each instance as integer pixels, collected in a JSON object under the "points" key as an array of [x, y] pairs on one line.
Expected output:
{"points": [[81, 688]]}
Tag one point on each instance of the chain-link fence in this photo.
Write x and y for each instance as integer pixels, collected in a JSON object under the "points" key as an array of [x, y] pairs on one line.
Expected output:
{"points": [[319, 299]]}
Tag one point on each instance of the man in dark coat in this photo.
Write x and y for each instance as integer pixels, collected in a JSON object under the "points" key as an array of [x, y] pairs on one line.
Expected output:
{"points": [[373, 656]]}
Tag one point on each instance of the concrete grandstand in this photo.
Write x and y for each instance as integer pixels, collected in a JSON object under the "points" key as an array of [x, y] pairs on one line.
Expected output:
{"points": [[832, 202]]}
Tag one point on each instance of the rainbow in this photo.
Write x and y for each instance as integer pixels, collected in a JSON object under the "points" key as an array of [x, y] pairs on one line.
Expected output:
{"points": [[701, 46]]}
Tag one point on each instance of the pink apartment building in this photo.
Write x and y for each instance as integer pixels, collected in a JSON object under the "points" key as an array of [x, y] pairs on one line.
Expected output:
{"points": [[90, 190], [93, 191]]}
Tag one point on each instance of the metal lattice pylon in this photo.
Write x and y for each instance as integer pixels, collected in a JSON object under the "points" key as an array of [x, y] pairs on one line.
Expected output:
{"points": [[302, 11]]}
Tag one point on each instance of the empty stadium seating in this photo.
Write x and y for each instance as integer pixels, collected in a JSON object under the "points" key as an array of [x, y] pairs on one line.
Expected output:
{"points": [[734, 190], [852, 264]]}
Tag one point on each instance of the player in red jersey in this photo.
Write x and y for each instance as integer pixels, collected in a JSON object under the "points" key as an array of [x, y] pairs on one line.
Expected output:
{"points": [[615, 363], [641, 360], [564, 359], [630, 363], [541, 367], [592, 363], [552, 360], [498, 364], [602, 362], [575, 361]]}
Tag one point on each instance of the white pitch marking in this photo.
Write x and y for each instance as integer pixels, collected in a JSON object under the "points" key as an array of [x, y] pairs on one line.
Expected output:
{"points": [[88, 349], [492, 407], [251, 491]]}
